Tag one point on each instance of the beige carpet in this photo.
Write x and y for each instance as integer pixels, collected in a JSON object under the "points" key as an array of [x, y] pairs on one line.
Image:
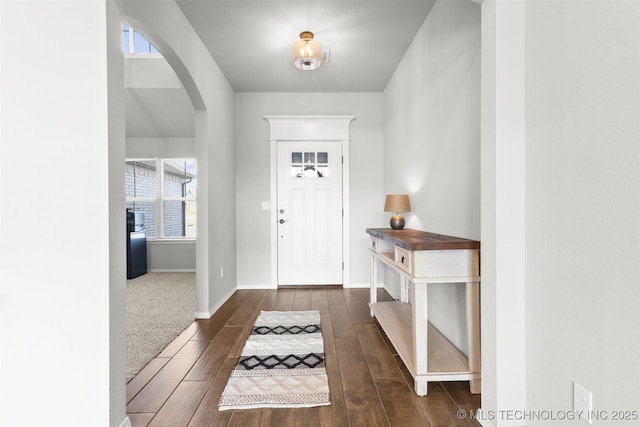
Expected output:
{"points": [[159, 307]]}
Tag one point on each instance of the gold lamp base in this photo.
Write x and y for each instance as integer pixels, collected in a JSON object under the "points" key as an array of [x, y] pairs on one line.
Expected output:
{"points": [[397, 222]]}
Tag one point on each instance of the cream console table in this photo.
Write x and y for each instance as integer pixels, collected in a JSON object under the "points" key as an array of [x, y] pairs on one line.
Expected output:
{"points": [[423, 258]]}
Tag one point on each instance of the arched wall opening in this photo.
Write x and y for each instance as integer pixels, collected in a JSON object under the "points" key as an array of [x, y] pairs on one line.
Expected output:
{"points": [[200, 127], [212, 97]]}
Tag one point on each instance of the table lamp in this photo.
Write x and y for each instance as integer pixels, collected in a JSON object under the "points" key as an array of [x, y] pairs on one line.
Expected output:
{"points": [[397, 203]]}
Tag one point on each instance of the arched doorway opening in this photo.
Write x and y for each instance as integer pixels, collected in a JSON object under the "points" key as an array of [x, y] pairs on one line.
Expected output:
{"points": [[165, 117]]}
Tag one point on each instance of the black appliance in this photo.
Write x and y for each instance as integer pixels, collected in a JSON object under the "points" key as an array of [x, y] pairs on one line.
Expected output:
{"points": [[136, 244]]}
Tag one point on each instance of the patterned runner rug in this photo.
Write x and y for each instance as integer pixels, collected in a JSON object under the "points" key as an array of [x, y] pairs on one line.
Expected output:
{"points": [[281, 365]]}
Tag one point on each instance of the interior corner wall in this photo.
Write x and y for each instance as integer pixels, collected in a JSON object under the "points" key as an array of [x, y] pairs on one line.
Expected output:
{"points": [[583, 205], [253, 176], [55, 272], [432, 142]]}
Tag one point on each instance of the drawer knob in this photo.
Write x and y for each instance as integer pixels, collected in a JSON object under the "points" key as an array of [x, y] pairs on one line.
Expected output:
{"points": [[402, 260]]}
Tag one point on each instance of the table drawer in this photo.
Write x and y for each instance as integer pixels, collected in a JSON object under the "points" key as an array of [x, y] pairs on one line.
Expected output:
{"points": [[373, 243], [403, 259]]}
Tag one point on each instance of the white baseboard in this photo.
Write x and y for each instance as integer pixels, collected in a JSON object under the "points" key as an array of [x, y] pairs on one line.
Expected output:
{"points": [[268, 286], [171, 270], [361, 285], [207, 315], [258, 286], [126, 423], [356, 286]]}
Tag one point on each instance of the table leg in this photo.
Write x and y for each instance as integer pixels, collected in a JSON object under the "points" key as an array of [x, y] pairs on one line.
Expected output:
{"points": [[472, 302], [373, 282], [420, 325], [404, 297]]}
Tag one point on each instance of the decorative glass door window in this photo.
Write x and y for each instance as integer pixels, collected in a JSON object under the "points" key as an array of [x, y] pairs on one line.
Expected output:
{"points": [[309, 164]]}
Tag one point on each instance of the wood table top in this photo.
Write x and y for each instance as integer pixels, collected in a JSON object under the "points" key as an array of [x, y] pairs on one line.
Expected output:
{"points": [[416, 240]]}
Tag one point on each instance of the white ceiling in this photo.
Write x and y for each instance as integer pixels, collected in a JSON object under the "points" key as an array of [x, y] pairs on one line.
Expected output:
{"points": [[251, 41]]}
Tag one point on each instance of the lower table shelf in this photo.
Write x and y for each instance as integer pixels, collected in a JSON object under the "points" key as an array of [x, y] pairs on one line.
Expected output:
{"points": [[444, 361]]}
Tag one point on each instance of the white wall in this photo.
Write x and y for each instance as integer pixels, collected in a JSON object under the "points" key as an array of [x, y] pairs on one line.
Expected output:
{"points": [[59, 285], [171, 255], [163, 147], [577, 304], [150, 71], [432, 142], [157, 104], [252, 173], [583, 204]]}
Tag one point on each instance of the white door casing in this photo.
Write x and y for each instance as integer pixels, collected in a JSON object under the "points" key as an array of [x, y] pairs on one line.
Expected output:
{"points": [[309, 129], [309, 206]]}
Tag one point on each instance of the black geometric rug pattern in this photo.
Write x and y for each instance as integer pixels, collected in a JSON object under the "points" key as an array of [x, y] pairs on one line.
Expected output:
{"points": [[281, 330], [290, 361], [281, 365]]}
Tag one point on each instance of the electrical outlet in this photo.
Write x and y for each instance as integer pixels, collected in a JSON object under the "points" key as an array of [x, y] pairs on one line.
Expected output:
{"points": [[221, 272], [582, 402]]}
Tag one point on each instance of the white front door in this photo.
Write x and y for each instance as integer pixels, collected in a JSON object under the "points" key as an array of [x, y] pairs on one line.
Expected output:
{"points": [[309, 211]]}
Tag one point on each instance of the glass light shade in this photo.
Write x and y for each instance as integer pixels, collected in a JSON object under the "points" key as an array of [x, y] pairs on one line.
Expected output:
{"points": [[306, 52]]}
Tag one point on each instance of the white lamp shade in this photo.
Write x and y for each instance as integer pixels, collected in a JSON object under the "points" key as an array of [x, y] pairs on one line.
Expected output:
{"points": [[306, 52]]}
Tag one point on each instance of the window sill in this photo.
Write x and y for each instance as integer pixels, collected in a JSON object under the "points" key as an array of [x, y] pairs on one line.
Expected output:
{"points": [[155, 241], [143, 56]]}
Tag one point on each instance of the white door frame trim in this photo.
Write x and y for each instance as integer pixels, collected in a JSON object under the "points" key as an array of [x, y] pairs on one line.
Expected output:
{"points": [[309, 128]]}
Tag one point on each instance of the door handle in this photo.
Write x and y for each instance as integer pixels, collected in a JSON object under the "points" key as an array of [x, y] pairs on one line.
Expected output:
{"points": [[282, 221]]}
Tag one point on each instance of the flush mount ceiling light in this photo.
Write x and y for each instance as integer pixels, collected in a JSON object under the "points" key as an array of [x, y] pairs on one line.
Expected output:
{"points": [[306, 52]]}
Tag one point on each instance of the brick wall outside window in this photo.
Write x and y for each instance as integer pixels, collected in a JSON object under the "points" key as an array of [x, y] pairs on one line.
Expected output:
{"points": [[141, 181]]}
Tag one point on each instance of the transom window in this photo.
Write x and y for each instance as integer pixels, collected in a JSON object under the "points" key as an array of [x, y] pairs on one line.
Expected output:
{"points": [[165, 190], [134, 42], [309, 164]]}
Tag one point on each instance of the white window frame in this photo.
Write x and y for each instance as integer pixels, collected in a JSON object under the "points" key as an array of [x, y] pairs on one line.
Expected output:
{"points": [[161, 198]]}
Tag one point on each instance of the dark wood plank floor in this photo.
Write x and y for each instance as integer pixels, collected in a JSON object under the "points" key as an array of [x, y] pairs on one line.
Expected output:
{"points": [[369, 384]]}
